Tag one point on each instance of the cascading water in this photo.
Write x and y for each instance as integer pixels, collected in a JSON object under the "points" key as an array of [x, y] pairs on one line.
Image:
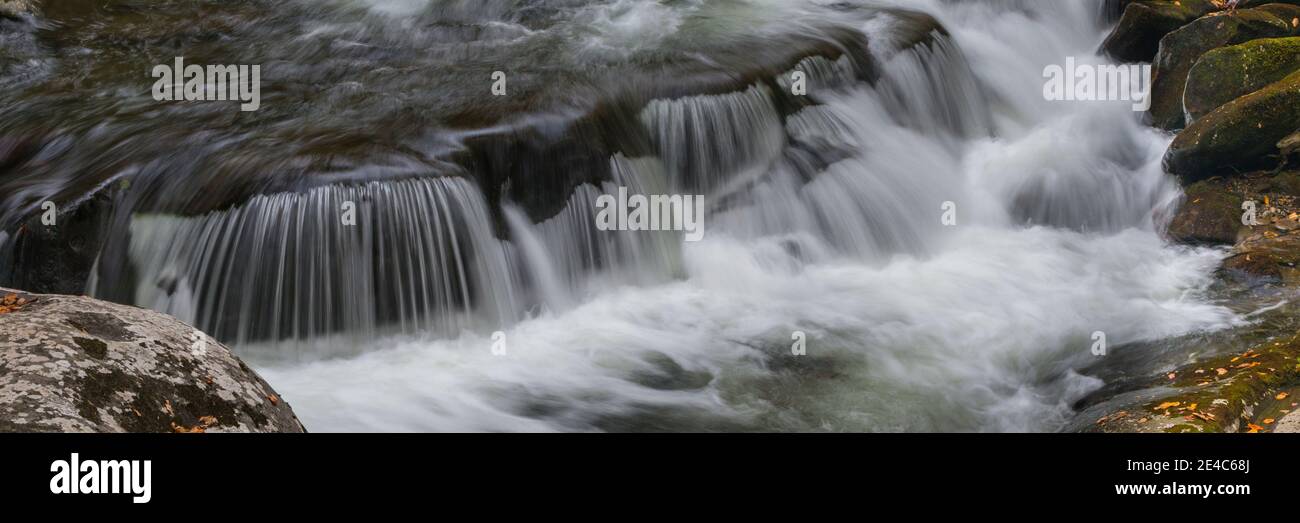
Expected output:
{"points": [[831, 228], [419, 253], [823, 223]]}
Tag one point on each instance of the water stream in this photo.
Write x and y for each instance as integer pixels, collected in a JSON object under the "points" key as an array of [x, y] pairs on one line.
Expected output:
{"points": [[823, 222]]}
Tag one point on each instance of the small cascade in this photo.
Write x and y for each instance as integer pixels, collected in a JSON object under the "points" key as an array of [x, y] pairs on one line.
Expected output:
{"points": [[420, 254], [563, 254], [931, 89], [821, 75], [703, 140]]}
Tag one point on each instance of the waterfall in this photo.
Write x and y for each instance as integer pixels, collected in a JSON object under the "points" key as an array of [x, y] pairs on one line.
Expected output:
{"points": [[703, 138], [943, 238], [420, 254]]}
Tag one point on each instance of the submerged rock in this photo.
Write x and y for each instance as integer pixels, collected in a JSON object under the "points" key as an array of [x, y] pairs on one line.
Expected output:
{"points": [[1228, 73], [1180, 50], [1242, 135], [75, 364]]}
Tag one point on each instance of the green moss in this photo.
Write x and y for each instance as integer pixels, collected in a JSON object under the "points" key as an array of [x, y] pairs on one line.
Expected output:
{"points": [[1225, 74], [1218, 394], [1180, 50], [1239, 136]]}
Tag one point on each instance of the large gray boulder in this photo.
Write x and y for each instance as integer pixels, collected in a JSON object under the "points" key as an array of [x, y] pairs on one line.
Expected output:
{"points": [[76, 364]]}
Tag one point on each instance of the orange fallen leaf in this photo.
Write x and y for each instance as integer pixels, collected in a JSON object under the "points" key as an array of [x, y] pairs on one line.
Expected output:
{"points": [[1191, 407], [1281, 396], [1221, 371], [11, 302], [179, 429], [207, 421], [275, 400], [1168, 404], [1268, 421], [1253, 428]]}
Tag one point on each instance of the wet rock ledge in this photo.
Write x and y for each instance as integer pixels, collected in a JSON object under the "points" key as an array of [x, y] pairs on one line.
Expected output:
{"points": [[75, 364]]}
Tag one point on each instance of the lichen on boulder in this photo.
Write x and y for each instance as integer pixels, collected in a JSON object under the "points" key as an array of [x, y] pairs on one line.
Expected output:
{"points": [[75, 364]]}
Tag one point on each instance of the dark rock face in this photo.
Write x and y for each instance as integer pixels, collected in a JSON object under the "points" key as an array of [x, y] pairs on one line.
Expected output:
{"points": [[1180, 50], [1210, 214], [1240, 136], [74, 364], [58, 258], [1137, 36], [1228, 73]]}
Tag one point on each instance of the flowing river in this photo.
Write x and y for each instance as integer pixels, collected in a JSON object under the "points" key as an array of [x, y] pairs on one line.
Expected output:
{"points": [[470, 300]]}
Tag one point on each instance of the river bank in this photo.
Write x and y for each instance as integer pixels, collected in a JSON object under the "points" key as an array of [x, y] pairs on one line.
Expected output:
{"points": [[1231, 78]]}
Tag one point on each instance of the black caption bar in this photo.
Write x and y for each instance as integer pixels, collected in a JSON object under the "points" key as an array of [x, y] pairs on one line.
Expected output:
{"points": [[319, 472]]}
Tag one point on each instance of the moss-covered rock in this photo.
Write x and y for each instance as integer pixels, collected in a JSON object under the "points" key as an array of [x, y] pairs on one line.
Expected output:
{"points": [[1136, 38], [1217, 394], [75, 364], [1180, 50], [1225, 74], [1239, 136]]}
